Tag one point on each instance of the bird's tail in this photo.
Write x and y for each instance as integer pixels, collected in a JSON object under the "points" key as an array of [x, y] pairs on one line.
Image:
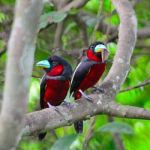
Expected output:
{"points": [[78, 126], [42, 135]]}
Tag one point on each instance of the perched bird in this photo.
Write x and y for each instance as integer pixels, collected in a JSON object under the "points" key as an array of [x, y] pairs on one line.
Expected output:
{"points": [[87, 74], [54, 84]]}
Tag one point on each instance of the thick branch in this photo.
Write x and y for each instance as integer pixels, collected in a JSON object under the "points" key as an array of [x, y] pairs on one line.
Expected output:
{"points": [[83, 29], [144, 33], [74, 4], [18, 71], [126, 43], [58, 35], [50, 119], [60, 27]]}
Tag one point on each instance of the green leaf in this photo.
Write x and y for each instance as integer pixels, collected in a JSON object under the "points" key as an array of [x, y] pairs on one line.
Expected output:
{"points": [[107, 5], [64, 143], [58, 16], [54, 16], [117, 127], [3, 17], [73, 11], [92, 6], [69, 27]]}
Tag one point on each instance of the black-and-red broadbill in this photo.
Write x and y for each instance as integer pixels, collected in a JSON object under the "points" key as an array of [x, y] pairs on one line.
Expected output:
{"points": [[55, 83], [87, 73]]}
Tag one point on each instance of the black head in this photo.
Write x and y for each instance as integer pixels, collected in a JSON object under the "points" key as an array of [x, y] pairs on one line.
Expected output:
{"points": [[100, 50], [53, 61], [93, 45]]}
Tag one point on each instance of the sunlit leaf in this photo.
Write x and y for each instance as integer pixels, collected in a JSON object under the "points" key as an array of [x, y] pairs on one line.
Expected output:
{"points": [[69, 27], [107, 5], [92, 5], [54, 16], [117, 127], [64, 143]]}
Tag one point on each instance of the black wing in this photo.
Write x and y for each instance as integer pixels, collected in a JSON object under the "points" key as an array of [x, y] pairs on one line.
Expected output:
{"points": [[42, 91], [80, 72]]}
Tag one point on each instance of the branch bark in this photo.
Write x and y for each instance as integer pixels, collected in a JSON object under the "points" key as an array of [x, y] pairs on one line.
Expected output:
{"points": [[74, 4], [50, 119], [60, 27], [144, 33], [116, 137], [83, 29], [126, 44], [18, 71]]}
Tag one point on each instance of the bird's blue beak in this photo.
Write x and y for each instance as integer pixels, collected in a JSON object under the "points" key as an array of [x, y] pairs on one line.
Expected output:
{"points": [[99, 48], [103, 50], [43, 64]]}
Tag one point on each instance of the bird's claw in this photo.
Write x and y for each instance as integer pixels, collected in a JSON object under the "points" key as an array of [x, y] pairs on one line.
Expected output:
{"points": [[53, 107], [99, 89], [88, 98], [67, 104]]}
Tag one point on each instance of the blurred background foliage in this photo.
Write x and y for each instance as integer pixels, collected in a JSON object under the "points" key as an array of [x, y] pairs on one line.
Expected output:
{"points": [[78, 27]]}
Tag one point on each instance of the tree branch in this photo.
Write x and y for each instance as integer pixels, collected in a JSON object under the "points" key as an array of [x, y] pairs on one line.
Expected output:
{"points": [[145, 83], [99, 14], [126, 44], [50, 119], [116, 137], [74, 4], [18, 71], [113, 30], [144, 33], [83, 29], [60, 27], [89, 133]]}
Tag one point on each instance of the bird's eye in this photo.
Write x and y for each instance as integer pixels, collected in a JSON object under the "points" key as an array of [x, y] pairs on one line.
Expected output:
{"points": [[91, 47], [54, 63]]}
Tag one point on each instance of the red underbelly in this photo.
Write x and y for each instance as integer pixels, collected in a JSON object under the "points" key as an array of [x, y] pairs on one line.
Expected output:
{"points": [[56, 91], [91, 78]]}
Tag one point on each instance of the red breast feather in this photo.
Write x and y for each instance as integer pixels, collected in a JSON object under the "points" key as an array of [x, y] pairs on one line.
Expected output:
{"points": [[56, 90]]}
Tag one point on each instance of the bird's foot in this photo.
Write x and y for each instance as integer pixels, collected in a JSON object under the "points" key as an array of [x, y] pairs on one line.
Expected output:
{"points": [[53, 107], [88, 98], [99, 90], [67, 104]]}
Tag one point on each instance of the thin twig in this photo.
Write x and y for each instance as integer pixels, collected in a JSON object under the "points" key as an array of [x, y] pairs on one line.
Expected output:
{"points": [[89, 133], [142, 84], [116, 137], [83, 29], [145, 83], [34, 76], [93, 37], [2, 52]]}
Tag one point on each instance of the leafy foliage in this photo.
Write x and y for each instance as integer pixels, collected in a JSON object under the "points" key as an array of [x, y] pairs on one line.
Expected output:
{"points": [[54, 16], [117, 127], [64, 142], [72, 40]]}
